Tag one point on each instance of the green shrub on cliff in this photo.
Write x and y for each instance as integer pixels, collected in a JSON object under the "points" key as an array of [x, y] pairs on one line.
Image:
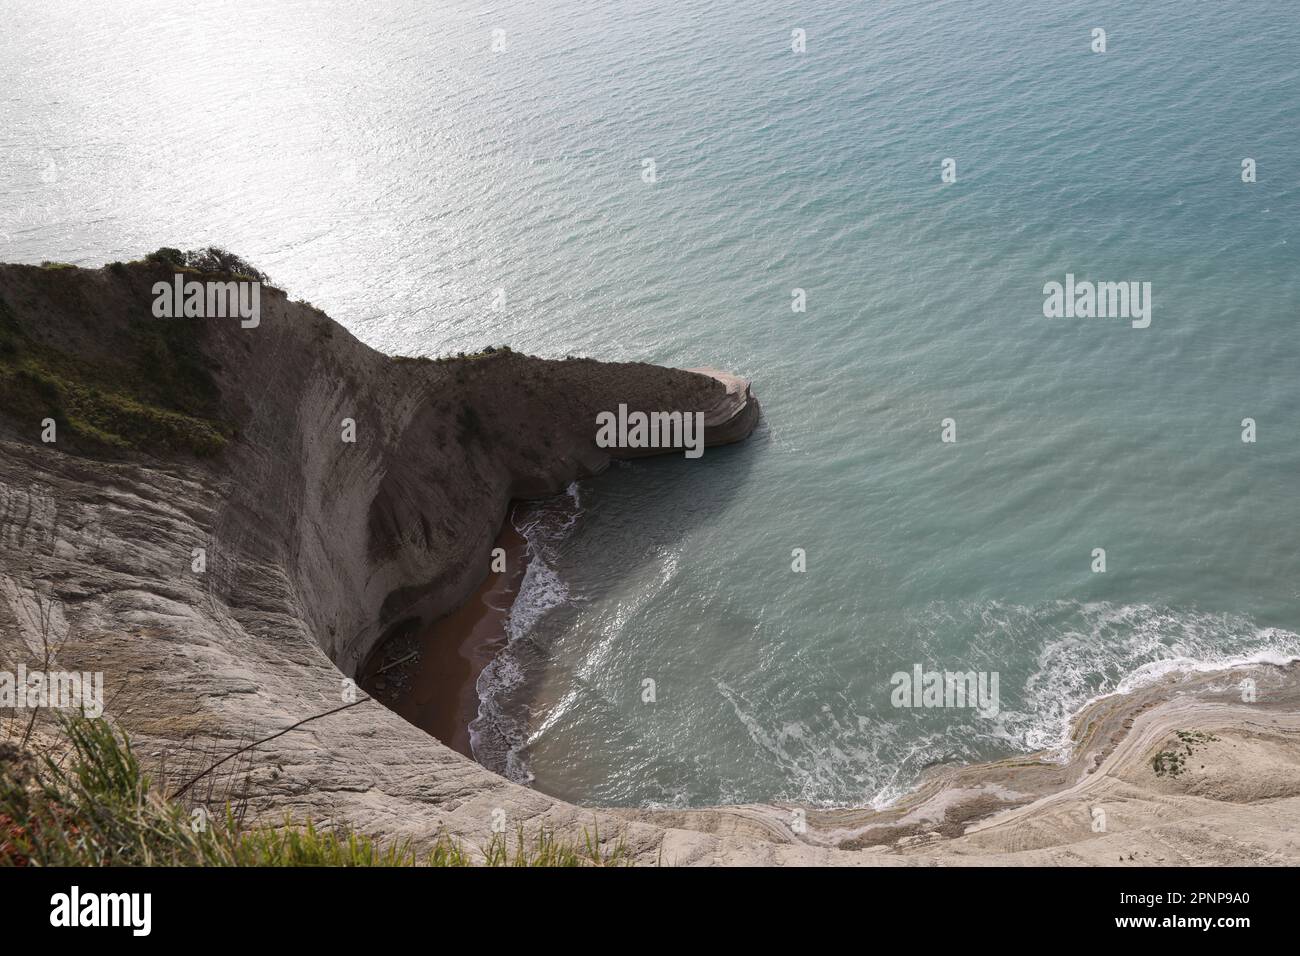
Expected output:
{"points": [[168, 256], [215, 260], [212, 260], [484, 353]]}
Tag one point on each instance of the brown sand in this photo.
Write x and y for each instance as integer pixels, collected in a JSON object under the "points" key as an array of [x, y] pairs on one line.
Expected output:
{"points": [[437, 691]]}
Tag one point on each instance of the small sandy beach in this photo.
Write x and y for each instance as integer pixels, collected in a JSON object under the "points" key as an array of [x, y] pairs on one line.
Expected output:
{"points": [[436, 690]]}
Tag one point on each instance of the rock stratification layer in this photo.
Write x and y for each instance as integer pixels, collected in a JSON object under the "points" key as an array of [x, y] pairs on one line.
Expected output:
{"points": [[230, 595]]}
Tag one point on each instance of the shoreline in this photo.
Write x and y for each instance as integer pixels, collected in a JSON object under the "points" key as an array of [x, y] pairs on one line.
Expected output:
{"points": [[945, 803], [437, 690], [1106, 803]]}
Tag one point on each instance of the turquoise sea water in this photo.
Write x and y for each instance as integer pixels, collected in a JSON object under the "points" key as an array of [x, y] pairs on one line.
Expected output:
{"points": [[383, 162]]}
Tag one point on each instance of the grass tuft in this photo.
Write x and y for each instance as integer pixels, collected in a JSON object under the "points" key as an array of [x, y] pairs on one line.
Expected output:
{"points": [[95, 806]]}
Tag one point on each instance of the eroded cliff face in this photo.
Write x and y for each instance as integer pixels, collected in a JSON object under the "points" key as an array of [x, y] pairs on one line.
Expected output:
{"points": [[314, 547]]}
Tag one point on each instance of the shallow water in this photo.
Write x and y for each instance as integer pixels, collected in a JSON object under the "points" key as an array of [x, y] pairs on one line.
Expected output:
{"points": [[384, 163]]}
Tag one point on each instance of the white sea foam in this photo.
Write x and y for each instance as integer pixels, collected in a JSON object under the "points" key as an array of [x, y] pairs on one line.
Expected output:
{"points": [[839, 761], [848, 753], [499, 734], [1120, 648], [544, 530]]}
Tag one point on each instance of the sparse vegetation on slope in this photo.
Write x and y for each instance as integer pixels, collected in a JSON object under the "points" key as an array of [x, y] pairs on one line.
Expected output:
{"points": [[157, 394], [95, 806], [1174, 762]]}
